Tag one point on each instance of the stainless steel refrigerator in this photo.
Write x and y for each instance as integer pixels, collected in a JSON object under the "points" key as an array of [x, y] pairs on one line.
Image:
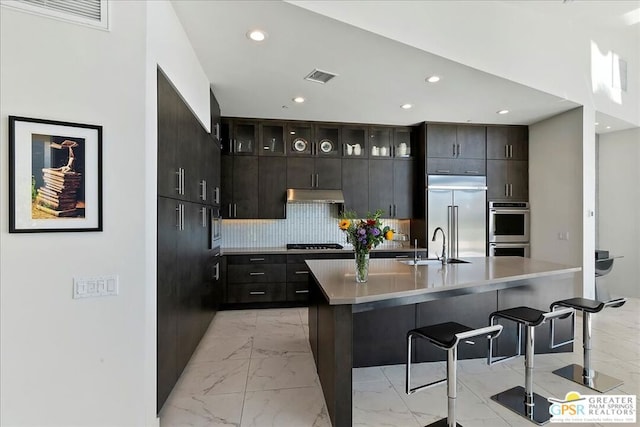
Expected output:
{"points": [[458, 205]]}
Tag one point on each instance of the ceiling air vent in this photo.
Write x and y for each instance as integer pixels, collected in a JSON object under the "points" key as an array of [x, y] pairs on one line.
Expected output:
{"points": [[87, 12], [319, 76]]}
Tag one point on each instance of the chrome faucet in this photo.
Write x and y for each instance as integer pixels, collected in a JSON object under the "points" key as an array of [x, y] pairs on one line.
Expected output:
{"points": [[415, 252], [442, 257]]}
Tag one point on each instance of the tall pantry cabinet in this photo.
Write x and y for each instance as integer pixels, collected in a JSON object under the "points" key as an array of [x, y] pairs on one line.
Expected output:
{"points": [[188, 289]]}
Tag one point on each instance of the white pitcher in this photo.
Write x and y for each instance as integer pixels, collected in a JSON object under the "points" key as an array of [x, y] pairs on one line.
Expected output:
{"points": [[357, 150]]}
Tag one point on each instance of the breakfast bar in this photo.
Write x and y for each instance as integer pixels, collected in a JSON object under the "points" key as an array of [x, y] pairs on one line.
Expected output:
{"points": [[356, 325]]}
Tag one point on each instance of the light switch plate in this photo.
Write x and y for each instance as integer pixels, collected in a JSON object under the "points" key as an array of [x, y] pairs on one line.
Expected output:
{"points": [[100, 286]]}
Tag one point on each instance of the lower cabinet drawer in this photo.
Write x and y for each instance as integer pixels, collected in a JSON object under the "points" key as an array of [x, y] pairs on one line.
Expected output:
{"points": [[256, 292], [265, 273], [298, 291], [297, 273]]}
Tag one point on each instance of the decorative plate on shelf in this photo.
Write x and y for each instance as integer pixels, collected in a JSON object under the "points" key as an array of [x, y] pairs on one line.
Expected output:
{"points": [[300, 144], [326, 146]]}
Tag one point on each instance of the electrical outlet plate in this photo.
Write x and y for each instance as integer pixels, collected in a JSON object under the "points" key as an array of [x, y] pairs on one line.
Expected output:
{"points": [[99, 286]]}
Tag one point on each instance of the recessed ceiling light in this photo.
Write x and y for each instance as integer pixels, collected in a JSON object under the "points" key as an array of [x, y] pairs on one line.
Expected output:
{"points": [[256, 35], [503, 111], [406, 106], [608, 127], [298, 99], [597, 123], [433, 79]]}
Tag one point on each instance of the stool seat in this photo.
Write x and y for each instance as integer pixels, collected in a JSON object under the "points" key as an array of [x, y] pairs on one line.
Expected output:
{"points": [[525, 315], [588, 305], [443, 334]]}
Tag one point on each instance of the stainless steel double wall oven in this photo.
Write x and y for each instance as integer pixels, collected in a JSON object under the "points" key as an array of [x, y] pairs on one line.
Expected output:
{"points": [[509, 225]]}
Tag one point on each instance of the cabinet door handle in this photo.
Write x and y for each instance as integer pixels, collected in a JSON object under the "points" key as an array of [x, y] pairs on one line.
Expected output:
{"points": [[510, 151], [391, 210], [395, 210], [317, 180], [178, 214], [510, 190], [216, 195], [203, 212], [506, 190], [216, 275], [302, 291], [257, 293], [179, 181], [229, 210], [203, 190], [454, 150], [458, 150], [476, 172], [312, 181], [235, 210], [256, 259], [217, 130], [182, 182], [506, 151], [402, 256], [302, 272], [256, 273], [442, 170]]}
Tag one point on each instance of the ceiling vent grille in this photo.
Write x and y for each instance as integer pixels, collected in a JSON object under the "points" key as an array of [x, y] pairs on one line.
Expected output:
{"points": [[319, 76], [87, 12]]}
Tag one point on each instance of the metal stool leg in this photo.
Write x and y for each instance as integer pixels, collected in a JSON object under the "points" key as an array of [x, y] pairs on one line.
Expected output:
{"points": [[452, 357], [523, 400], [585, 375]]}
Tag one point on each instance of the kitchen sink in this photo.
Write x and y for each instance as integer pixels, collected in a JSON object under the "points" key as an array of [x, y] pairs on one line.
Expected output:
{"points": [[428, 261], [457, 261]]}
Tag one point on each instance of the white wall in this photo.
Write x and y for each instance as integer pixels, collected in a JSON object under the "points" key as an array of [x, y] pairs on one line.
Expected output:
{"points": [[89, 362], [555, 189], [69, 362], [506, 38], [619, 204]]}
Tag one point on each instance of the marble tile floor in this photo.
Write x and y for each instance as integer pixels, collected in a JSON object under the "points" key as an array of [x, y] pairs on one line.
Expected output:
{"points": [[255, 368]]}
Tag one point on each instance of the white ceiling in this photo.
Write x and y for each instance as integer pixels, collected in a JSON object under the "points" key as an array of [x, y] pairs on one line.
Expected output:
{"points": [[375, 75]]}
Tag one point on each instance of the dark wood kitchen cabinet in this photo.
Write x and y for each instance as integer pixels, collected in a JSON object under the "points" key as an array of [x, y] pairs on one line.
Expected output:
{"points": [[508, 180], [455, 149], [507, 142], [239, 137], [188, 293], [272, 188], [391, 185], [253, 187], [355, 185], [239, 187], [314, 173], [256, 278]]}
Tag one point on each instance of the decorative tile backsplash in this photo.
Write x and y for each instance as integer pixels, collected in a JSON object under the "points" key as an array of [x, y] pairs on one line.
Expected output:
{"points": [[305, 223]]}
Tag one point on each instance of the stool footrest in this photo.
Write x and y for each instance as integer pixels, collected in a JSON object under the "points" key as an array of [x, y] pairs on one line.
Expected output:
{"points": [[425, 386], [514, 398], [442, 423], [598, 381]]}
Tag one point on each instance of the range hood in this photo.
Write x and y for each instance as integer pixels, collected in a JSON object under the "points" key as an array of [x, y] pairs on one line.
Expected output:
{"points": [[295, 195]]}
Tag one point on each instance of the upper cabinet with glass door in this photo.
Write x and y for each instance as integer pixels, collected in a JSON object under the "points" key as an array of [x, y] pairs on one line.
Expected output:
{"points": [[354, 142], [272, 139], [299, 139], [239, 137], [380, 142], [403, 146], [327, 140]]}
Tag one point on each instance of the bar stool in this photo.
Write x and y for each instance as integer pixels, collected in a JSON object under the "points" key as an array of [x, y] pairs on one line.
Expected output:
{"points": [[584, 375], [446, 336], [522, 400]]}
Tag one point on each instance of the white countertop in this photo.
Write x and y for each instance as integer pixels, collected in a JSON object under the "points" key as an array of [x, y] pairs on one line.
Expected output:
{"points": [[389, 279]]}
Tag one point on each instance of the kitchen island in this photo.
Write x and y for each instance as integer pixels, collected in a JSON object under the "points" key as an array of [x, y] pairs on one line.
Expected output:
{"points": [[354, 325]]}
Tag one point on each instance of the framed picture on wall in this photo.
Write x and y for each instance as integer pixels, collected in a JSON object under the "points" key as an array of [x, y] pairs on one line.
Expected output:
{"points": [[55, 176]]}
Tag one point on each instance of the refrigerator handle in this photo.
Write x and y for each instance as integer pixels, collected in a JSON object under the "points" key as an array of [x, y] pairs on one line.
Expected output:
{"points": [[450, 231], [457, 222]]}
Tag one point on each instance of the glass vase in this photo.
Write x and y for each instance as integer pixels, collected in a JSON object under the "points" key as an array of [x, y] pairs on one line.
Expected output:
{"points": [[362, 267]]}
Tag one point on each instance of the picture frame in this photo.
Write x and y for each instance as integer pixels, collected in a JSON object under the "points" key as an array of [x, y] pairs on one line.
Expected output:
{"points": [[55, 176]]}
